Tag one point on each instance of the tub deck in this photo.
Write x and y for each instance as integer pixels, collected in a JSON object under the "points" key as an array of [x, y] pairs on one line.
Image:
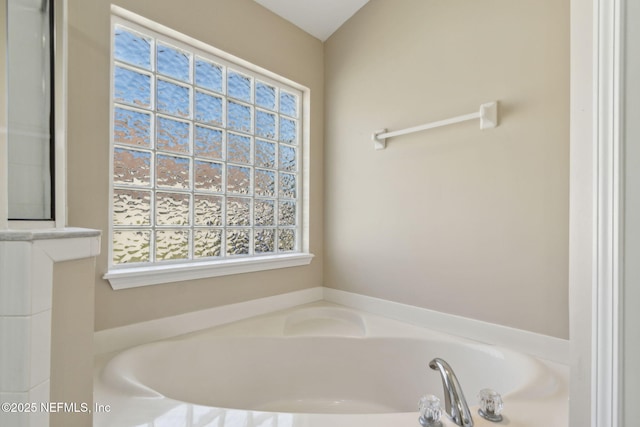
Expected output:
{"points": [[316, 365]]}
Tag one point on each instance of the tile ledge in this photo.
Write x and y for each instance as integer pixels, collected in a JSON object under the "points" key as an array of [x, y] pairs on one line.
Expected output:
{"points": [[47, 234]]}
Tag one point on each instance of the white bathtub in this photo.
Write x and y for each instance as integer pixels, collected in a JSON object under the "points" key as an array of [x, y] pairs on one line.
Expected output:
{"points": [[316, 365]]}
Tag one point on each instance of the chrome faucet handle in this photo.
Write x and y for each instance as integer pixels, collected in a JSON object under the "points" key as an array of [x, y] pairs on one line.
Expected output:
{"points": [[490, 405], [430, 411]]}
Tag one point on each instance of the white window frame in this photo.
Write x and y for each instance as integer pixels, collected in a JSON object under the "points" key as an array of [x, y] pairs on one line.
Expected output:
{"points": [[122, 276]]}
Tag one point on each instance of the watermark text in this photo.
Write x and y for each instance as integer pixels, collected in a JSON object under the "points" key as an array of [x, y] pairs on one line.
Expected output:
{"points": [[53, 407]]}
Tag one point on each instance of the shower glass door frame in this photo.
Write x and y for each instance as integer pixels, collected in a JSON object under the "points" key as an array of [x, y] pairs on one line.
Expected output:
{"points": [[53, 194]]}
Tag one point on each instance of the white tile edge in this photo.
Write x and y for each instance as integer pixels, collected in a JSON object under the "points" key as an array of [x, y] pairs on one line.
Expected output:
{"points": [[119, 338], [62, 244], [68, 249], [538, 345]]}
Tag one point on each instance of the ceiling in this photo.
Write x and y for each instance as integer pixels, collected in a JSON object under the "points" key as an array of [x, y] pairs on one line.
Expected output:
{"points": [[320, 18]]}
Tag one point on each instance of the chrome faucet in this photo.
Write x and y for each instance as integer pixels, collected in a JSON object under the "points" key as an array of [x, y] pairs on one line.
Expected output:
{"points": [[455, 404]]}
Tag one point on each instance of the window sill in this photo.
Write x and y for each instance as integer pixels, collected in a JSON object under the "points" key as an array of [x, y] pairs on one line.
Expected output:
{"points": [[126, 278]]}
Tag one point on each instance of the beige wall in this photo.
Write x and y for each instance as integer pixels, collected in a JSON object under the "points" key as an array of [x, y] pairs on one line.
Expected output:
{"points": [[240, 27], [72, 340], [631, 292], [453, 219], [468, 222]]}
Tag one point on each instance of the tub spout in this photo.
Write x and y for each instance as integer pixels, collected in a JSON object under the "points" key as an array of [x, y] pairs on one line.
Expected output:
{"points": [[455, 404]]}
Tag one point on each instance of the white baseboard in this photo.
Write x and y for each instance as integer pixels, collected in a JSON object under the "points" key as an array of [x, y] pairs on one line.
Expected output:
{"points": [[537, 345], [115, 339]]}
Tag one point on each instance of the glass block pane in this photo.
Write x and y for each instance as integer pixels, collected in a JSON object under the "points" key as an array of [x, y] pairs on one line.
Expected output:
{"points": [[238, 148], [131, 246], [238, 241], [132, 47], [286, 240], [208, 176], [264, 212], [208, 108], [173, 135], [208, 75], [288, 158], [208, 210], [288, 131], [265, 96], [265, 154], [265, 241], [239, 116], [288, 104], [238, 179], [207, 243], [288, 185], [238, 211], [239, 86], [172, 208], [287, 213], [208, 142], [265, 183], [173, 62], [131, 127], [265, 124], [132, 87], [172, 244], [131, 167], [173, 99], [172, 172], [131, 207]]}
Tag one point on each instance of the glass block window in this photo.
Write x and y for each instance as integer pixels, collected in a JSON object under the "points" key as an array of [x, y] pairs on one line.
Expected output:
{"points": [[206, 155]]}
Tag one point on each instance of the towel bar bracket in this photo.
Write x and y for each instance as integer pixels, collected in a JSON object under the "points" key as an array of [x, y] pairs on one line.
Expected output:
{"points": [[488, 115], [379, 143]]}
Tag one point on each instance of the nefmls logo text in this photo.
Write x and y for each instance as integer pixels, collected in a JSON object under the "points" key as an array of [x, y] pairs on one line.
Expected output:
{"points": [[52, 407]]}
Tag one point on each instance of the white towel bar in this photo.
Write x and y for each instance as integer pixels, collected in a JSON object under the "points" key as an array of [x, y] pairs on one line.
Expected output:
{"points": [[488, 116]]}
